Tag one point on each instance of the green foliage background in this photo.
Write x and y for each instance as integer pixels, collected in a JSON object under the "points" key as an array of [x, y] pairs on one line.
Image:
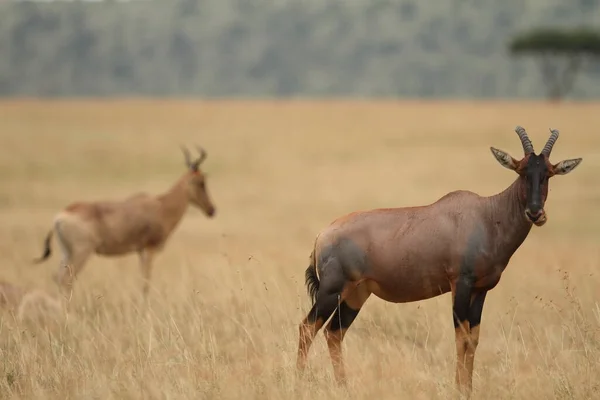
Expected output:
{"points": [[451, 48]]}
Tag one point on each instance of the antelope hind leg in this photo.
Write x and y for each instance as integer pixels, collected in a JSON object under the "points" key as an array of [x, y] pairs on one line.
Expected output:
{"points": [[353, 298], [319, 313]]}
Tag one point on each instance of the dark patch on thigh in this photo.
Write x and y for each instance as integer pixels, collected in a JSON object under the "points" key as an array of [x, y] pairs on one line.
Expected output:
{"points": [[324, 256], [352, 259], [331, 276], [337, 264]]}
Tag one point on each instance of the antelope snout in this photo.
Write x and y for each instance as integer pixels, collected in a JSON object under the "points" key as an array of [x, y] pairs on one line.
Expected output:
{"points": [[538, 217], [211, 212]]}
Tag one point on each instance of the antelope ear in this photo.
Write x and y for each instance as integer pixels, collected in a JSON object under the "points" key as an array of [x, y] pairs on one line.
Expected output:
{"points": [[566, 166], [505, 159]]}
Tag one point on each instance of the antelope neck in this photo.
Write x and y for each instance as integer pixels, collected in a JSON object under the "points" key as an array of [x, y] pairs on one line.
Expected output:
{"points": [[174, 202], [506, 213]]}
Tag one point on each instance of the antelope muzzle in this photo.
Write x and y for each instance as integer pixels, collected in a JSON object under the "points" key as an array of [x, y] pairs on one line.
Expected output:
{"points": [[210, 211], [538, 217]]}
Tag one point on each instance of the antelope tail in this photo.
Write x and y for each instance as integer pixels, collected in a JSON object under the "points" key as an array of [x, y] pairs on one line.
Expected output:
{"points": [[47, 249], [311, 278]]}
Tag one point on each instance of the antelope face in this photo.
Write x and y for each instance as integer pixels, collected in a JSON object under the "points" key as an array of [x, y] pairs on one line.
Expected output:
{"points": [[198, 193], [535, 171], [536, 174]]}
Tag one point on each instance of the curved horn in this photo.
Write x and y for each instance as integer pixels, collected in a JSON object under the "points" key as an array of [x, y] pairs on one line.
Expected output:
{"points": [[186, 154], [202, 155], [550, 143], [527, 146]]}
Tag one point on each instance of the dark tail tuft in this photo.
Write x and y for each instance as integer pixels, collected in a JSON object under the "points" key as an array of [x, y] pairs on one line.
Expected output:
{"points": [[311, 278], [47, 249]]}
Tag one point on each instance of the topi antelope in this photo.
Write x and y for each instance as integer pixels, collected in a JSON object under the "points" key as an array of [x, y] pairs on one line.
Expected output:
{"points": [[140, 223], [461, 244]]}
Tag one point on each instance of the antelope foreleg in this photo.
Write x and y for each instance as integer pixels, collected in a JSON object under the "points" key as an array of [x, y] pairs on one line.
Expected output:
{"points": [[146, 257], [475, 311], [461, 305]]}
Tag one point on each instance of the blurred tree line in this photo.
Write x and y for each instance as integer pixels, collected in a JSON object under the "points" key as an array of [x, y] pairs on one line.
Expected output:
{"points": [[454, 48], [553, 47]]}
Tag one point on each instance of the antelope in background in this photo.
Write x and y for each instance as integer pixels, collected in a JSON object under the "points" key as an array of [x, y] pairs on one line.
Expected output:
{"points": [[461, 244], [142, 223]]}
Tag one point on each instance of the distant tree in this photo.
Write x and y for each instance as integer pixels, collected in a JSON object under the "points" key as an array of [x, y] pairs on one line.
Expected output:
{"points": [[561, 53]]}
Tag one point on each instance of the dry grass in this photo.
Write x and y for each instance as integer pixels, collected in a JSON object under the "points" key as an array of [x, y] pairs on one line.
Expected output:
{"points": [[228, 293]]}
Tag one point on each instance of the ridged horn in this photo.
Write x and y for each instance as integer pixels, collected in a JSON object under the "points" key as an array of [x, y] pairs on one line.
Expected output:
{"points": [[186, 155], [550, 143], [203, 155], [527, 146]]}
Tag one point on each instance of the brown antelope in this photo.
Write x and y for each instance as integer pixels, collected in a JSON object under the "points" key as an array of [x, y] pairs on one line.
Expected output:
{"points": [[461, 244], [142, 223]]}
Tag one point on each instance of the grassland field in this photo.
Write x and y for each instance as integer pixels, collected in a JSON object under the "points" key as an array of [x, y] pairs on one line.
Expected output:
{"points": [[228, 293]]}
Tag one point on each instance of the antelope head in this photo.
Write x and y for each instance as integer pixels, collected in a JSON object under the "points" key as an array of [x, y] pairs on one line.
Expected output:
{"points": [[197, 191], [535, 171]]}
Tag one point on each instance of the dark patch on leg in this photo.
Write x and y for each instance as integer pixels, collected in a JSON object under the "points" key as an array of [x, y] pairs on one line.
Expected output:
{"points": [[337, 265], [343, 317], [466, 276], [476, 309], [464, 311], [340, 322], [462, 300], [323, 308]]}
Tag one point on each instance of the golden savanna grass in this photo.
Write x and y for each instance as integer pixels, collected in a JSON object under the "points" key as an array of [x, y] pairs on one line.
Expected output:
{"points": [[228, 293]]}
